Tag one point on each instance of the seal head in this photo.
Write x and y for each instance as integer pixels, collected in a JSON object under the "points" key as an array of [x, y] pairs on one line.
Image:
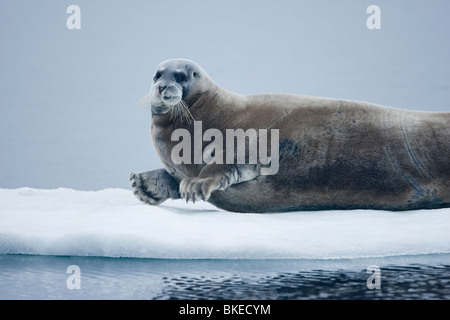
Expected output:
{"points": [[173, 82]]}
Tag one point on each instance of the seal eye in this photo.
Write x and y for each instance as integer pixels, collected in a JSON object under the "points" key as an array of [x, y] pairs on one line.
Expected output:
{"points": [[157, 76], [180, 77]]}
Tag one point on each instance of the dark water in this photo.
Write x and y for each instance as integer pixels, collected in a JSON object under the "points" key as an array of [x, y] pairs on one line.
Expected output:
{"points": [[46, 277], [408, 282]]}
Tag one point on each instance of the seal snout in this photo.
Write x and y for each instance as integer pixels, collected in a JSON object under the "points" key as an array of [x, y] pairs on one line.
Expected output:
{"points": [[168, 93]]}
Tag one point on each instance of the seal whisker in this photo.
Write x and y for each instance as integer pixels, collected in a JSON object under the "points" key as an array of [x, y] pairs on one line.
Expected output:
{"points": [[187, 111], [181, 112]]}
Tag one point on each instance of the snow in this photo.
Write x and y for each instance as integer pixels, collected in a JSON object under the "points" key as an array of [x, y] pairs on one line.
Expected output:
{"points": [[113, 223]]}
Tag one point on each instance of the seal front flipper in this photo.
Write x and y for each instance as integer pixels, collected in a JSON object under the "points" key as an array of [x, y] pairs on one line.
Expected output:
{"points": [[216, 177], [154, 187]]}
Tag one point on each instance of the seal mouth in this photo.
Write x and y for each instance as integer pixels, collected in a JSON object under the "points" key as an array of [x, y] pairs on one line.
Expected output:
{"points": [[171, 99], [179, 111], [160, 109], [165, 99]]}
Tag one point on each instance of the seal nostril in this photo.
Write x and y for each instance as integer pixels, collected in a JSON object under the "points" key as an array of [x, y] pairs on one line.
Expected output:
{"points": [[161, 89]]}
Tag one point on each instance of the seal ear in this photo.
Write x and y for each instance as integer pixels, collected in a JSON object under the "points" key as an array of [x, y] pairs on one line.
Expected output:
{"points": [[195, 74]]}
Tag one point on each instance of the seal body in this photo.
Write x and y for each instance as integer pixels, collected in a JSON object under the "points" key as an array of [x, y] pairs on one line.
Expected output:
{"points": [[333, 154]]}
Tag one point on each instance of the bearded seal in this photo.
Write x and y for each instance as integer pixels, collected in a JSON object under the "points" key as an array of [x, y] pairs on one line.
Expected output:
{"points": [[333, 154]]}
